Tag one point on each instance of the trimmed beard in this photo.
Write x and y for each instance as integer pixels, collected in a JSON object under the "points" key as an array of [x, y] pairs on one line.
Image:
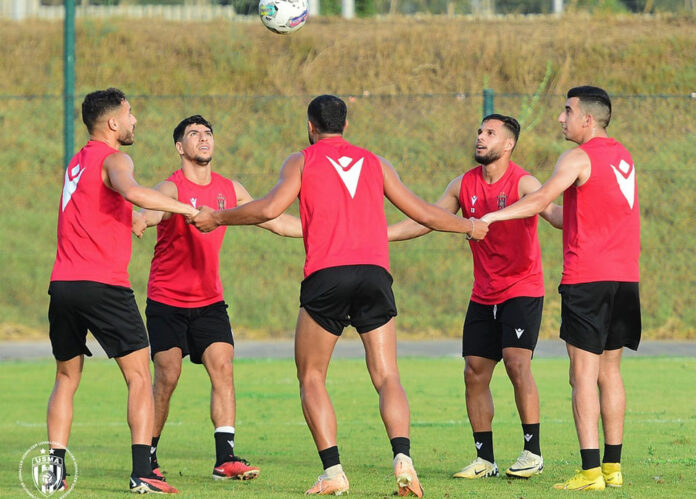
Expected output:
{"points": [[488, 158]]}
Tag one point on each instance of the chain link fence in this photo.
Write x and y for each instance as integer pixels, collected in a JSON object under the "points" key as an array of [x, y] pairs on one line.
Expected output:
{"points": [[429, 139]]}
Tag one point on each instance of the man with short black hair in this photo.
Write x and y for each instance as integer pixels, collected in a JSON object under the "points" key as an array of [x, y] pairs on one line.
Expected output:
{"points": [[186, 311], [600, 303], [341, 189], [504, 312], [90, 288]]}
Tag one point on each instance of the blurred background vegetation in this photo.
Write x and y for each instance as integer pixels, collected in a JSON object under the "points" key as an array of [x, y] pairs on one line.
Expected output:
{"points": [[367, 8], [413, 87]]}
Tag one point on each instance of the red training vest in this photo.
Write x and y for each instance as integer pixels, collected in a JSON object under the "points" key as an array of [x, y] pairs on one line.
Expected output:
{"points": [[185, 269], [507, 262], [94, 223], [342, 206], [601, 218]]}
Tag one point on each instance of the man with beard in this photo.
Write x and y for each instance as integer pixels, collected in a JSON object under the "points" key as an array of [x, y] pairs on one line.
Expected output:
{"points": [[341, 188], [504, 313], [90, 287], [186, 312]]}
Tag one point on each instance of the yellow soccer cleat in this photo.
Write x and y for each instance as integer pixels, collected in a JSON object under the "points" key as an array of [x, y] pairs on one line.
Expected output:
{"points": [[612, 474], [325, 486], [406, 478], [591, 479], [479, 468]]}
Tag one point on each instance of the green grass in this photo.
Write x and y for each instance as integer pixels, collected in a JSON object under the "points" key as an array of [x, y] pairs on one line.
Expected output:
{"points": [[658, 455]]}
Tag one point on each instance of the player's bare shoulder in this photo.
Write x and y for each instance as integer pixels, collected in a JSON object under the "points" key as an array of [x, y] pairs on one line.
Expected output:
{"points": [[575, 161]]}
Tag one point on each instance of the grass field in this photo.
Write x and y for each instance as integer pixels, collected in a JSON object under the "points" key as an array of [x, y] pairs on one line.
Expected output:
{"points": [[658, 457]]}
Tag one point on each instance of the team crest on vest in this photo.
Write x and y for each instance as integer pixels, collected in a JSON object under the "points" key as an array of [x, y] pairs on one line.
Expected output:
{"points": [[221, 201], [474, 198], [72, 177], [349, 172], [502, 199], [626, 178], [193, 202]]}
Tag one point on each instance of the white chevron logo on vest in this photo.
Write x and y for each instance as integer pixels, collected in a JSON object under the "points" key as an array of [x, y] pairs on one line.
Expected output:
{"points": [[70, 185], [626, 178], [349, 173]]}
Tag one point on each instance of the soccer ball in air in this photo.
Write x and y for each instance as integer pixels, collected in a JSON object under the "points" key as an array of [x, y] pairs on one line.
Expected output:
{"points": [[283, 16]]}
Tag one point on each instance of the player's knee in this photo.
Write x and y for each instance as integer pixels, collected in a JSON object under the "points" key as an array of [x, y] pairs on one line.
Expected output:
{"points": [[310, 378], [167, 377], [473, 376], [138, 379], [518, 370]]}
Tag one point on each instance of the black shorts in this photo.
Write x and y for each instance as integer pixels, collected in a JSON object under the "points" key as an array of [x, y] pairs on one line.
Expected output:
{"points": [[488, 329], [109, 312], [190, 329], [599, 316], [357, 295]]}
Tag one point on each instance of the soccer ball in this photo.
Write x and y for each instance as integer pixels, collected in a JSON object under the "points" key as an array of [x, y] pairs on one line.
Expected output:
{"points": [[283, 16]]}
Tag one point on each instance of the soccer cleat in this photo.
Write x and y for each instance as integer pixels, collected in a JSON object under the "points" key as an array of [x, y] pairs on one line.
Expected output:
{"points": [[591, 479], [334, 486], [527, 465], [150, 485], [406, 477], [158, 472], [236, 469], [479, 468], [612, 474]]}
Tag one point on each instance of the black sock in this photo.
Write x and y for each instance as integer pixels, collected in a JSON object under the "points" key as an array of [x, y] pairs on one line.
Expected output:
{"points": [[153, 452], [401, 445], [329, 457], [531, 438], [61, 454], [590, 458], [224, 447], [484, 445], [141, 460], [612, 453]]}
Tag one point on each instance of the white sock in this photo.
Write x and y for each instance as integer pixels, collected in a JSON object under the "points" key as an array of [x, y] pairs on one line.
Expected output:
{"points": [[224, 429]]}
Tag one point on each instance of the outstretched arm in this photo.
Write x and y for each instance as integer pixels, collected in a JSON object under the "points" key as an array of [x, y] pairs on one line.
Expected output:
{"points": [[410, 229], [284, 225], [553, 213], [117, 174], [571, 166], [153, 217], [430, 215], [263, 209]]}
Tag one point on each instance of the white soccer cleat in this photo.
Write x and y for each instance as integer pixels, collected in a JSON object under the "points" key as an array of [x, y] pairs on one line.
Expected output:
{"points": [[527, 465], [479, 468], [406, 478]]}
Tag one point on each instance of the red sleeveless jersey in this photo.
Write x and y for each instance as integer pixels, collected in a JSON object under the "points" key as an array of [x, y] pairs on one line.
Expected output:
{"points": [[94, 223], [601, 218], [185, 270], [342, 206], [507, 262]]}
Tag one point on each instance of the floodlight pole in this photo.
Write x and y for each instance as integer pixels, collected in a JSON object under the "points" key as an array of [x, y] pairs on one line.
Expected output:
{"points": [[348, 9], [68, 81]]}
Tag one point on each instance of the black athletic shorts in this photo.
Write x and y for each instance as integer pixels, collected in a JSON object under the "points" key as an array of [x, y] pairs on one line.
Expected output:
{"points": [[598, 316], [488, 329], [190, 329], [109, 312], [357, 295]]}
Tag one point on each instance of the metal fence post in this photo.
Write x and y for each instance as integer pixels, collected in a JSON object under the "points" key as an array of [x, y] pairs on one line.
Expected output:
{"points": [[68, 81], [487, 101]]}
